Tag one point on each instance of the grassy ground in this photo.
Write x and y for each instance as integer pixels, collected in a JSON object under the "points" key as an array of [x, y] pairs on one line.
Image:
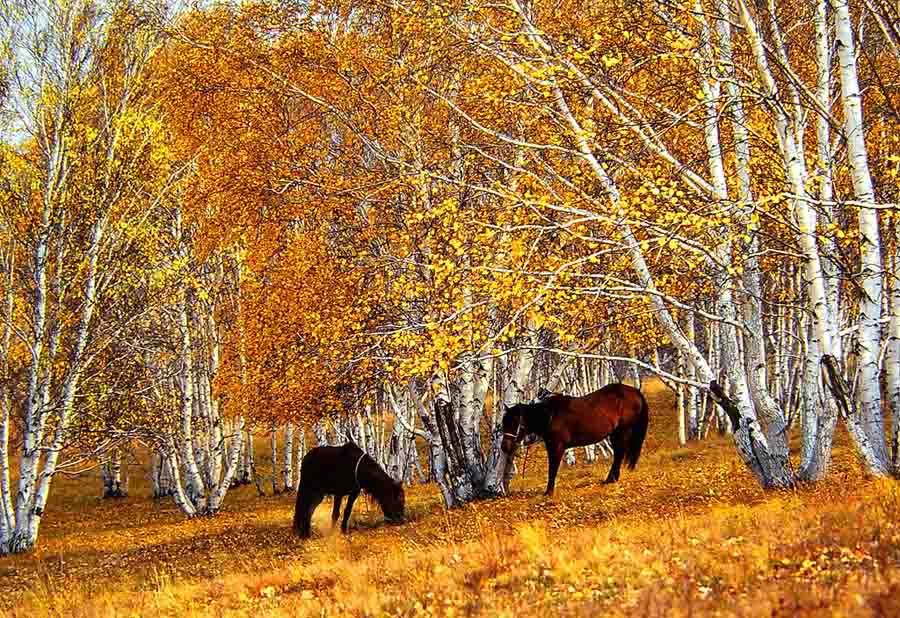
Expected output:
{"points": [[687, 533]]}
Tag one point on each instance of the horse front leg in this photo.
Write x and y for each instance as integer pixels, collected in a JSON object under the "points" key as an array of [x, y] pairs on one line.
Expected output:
{"points": [[336, 511], [554, 454], [347, 509]]}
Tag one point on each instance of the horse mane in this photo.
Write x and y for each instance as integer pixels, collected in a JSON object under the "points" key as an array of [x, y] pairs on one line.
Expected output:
{"points": [[537, 415], [379, 490]]}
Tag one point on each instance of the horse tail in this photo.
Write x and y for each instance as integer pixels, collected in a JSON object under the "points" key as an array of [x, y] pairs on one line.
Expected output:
{"points": [[637, 434]]}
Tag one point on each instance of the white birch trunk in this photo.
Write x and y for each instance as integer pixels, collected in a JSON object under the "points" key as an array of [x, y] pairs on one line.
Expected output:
{"points": [[203, 459], [822, 340], [499, 467], [769, 468], [161, 479], [18, 539], [680, 369], [195, 489], [320, 431], [288, 462], [301, 452], [217, 495], [825, 167], [7, 521], [249, 465], [691, 395], [868, 396], [273, 444], [28, 519], [111, 475], [438, 454], [892, 356]]}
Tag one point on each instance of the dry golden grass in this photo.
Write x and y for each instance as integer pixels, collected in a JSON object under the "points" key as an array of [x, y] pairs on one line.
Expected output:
{"points": [[687, 533]]}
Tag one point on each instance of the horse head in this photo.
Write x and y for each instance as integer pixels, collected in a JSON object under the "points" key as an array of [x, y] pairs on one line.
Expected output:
{"points": [[543, 393], [513, 425], [395, 504]]}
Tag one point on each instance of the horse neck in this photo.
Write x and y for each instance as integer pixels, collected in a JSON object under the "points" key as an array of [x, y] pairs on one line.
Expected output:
{"points": [[374, 481], [538, 416]]}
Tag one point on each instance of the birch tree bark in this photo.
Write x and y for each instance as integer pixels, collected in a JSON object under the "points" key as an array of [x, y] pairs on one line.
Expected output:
{"points": [[892, 356], [288, 467], [111, 475], [868, 396]]}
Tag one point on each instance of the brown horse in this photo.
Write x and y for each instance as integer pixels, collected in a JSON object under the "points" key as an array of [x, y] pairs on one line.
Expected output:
{"points": [[343, 471], [617, 411]]}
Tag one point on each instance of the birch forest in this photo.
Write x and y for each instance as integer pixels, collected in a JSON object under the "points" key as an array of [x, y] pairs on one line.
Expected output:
{"points": [[233, 231]]}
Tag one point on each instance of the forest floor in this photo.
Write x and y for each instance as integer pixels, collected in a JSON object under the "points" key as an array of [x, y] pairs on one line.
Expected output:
{"points": [[688, 532]]}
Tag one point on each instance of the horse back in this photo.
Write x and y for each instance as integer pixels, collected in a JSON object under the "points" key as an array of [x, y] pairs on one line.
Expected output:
{"points": [[601, 412], [330, 469]]}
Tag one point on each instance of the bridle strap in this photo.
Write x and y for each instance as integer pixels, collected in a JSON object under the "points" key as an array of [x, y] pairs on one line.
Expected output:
{"points": [[518, 435], [356, 469]]}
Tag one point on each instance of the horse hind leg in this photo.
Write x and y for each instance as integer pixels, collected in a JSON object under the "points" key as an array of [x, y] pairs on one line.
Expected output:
{"points": [[336, 510], [619, 441], [347, 510], [306, 506]]}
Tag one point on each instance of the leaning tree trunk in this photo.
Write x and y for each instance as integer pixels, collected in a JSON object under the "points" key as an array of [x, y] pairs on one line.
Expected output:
{"points": [[766, 465]]}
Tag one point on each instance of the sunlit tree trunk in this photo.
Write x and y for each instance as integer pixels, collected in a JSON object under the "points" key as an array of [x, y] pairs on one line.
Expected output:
{"points": [[892, 355], [34, 478], [161, 481], [438, 455], [301, 452], [194, 489], [288, 467], [320, 431], [273, 445], [111, 475], [691, 395], [499, 468], [249, 465], [868, 394], [8, 255]]}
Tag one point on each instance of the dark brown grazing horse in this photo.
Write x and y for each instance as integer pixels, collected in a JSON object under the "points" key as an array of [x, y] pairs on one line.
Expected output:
{"points": [[617, 411], [343, 471]]}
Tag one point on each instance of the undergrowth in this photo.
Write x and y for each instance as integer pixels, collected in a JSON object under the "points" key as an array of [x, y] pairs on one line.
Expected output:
{"points": [[687, 533]]}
